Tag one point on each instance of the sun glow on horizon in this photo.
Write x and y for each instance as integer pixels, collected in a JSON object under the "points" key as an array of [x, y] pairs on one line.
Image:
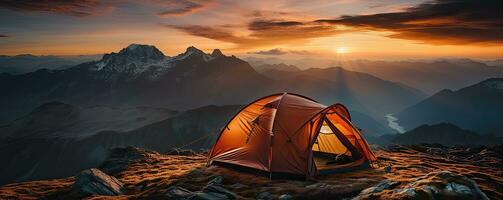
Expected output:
{"points": [[341, 50]]}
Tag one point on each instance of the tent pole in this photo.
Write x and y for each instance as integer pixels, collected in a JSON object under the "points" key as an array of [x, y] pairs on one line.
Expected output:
{"points": [[272, 134]]}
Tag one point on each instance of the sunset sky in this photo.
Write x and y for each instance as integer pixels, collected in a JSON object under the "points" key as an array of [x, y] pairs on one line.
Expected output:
{"points": [[353, 28]]}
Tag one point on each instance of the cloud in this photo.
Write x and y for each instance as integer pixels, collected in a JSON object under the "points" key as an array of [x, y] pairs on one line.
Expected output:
{"points": [[183, 7], [261, 32], [1, 36], [278, 52], [77, 8], [208, 32], [275, 52], [85, 8], [437, 22]]}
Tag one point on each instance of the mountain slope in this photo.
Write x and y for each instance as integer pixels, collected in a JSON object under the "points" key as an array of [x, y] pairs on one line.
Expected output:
{"points": [[25, 63], [30, 158], [56, 119], [477, 107], [359, 91], [445, 134], [428, 76], [264, 68]]}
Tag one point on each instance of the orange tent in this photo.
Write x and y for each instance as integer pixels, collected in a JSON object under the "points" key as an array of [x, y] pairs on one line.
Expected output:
{"points": [[289, 134]]}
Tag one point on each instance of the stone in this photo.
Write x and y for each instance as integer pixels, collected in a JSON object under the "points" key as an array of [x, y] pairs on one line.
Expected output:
{"points": [[388, 169], [219, 191], [217, 180], [94, 181], [206, 196], [178, 192], [237, 186], [286, 197], [436, 150], [434, 185], [458, 188], [383, 185], [410, 192], [264, 196]]}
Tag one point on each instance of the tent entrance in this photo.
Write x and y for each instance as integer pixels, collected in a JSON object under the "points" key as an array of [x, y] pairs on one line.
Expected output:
{"points": [[332, 149]]}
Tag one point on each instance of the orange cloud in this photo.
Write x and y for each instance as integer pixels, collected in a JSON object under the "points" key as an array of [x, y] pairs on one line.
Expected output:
{"points": [[261, 32], [437, 22], [77, 8], [183, 7]]}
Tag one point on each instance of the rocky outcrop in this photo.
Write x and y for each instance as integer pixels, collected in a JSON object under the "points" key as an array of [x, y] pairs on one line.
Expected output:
{"points": [[94, 181], [435, 185], [383, 185], [178, 192], [182, 152], [120, 158], [212, 191]]}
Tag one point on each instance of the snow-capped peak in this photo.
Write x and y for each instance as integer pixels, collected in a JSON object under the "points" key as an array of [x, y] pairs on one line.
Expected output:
{"points": [[132, 46], [217, 53], [136, 59], [193, 50]]}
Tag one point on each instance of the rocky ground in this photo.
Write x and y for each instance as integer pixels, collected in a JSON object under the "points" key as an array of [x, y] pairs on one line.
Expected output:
{"points": [[413, 172]]}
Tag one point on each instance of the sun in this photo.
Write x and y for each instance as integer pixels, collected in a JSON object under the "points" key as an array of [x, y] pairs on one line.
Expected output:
{"points": [[341, 50]]}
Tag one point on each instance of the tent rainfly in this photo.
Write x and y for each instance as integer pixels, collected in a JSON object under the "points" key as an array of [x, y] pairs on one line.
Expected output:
{"points": [[291, 135]]}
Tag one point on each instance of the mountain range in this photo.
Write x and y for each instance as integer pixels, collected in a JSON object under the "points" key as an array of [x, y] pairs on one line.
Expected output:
{"points": [[141, 75], [61, 120], [24, 63], [429, 76], [477, 107]]}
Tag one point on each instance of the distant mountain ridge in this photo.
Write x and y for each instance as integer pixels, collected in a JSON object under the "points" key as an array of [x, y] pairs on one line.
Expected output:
{"points": [[429, 76], [25, 63], [477, 107], [445, 134], [264, 68]]}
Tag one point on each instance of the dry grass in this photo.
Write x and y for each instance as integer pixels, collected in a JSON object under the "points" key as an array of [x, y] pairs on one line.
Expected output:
{"points": [[149, 180]]}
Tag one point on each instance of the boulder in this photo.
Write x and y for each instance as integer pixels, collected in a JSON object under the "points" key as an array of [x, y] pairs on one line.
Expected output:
{"points": [[94, 181], [219, 191], [445, 184], [286, 197], [435, 185], [334, 191], [216, 181], [206, 196], [178, 192], [264, 196], [383, 185], [237, 186], [436, 151]]}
